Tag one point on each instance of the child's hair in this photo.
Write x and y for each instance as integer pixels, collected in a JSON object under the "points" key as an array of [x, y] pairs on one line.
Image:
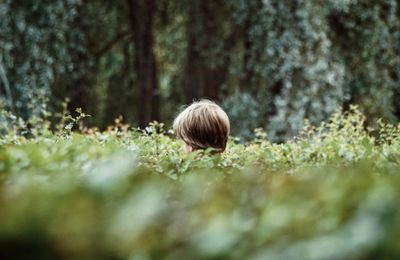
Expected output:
{"points": [[203, 124]]}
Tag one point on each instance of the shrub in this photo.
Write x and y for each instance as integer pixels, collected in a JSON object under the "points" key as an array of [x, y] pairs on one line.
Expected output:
{"points": [[332, 192]]}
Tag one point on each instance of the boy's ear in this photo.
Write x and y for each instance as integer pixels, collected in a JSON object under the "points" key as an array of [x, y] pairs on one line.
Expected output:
{"points": [[188, 148]]}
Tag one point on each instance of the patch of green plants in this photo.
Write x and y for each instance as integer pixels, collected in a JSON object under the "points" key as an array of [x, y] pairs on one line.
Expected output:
{"points": [[72, 192]]}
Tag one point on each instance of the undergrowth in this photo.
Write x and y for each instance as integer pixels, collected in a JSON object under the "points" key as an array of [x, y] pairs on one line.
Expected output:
{"points": [[67, 191]]}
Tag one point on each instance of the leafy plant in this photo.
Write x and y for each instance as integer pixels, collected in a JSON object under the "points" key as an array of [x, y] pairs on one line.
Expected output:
{"points": [[332, 192]]}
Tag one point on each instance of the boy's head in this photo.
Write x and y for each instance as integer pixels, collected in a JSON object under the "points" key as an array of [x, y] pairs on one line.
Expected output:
{"points": [[201, 125]]}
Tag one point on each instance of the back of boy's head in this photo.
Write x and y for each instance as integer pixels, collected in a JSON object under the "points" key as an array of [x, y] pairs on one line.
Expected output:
{"points": [[203, 125]]}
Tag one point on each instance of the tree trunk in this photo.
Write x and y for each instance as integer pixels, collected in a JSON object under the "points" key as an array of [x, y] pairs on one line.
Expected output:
{"points": [[206, 70], [194, 75], [142, 19], [79, 84]]}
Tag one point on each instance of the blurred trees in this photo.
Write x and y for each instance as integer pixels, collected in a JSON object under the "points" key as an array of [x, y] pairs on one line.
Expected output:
{"points": [[208, 49], [270, 63], [142, 20], [34, 48]]}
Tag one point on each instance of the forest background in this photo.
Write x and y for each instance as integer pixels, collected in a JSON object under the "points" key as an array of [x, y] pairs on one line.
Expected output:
{"points": [[269, 63]]}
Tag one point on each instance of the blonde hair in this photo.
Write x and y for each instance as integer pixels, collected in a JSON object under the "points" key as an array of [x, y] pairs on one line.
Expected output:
{"points": [[203, 124]]}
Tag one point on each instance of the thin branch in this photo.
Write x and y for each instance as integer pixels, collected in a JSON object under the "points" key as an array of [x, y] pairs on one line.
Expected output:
{"points": [[6, 83], [119, 37]]}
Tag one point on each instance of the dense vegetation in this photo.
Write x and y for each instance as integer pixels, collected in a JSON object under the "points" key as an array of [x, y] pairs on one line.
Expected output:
{"points": [[275, 61], [291, 189], [330, 193]]}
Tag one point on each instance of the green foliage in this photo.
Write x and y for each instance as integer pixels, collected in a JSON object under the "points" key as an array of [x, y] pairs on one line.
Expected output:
{"points": [[33, 49], [332, 192], [305, 59], [297, 59], [51, 50], [244, 114]]}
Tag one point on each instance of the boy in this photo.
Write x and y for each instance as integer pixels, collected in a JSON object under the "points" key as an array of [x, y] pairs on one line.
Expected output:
{"points": [[203, 125]]}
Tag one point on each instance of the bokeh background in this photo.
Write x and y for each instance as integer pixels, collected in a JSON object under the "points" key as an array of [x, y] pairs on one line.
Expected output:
{"points": [[269, 63]]}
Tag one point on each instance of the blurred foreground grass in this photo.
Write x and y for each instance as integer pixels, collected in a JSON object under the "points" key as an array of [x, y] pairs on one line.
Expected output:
{"points": [[331, 193]]}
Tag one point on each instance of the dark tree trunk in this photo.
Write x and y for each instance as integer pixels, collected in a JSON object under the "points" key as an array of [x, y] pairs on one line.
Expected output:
{"points": [[142, 20], [120, 92], [194, 75], [78, 85], [206, 70], [396, 103]]}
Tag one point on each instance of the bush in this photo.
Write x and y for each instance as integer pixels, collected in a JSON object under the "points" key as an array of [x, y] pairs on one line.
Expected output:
{"points": [[332, 192]]}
